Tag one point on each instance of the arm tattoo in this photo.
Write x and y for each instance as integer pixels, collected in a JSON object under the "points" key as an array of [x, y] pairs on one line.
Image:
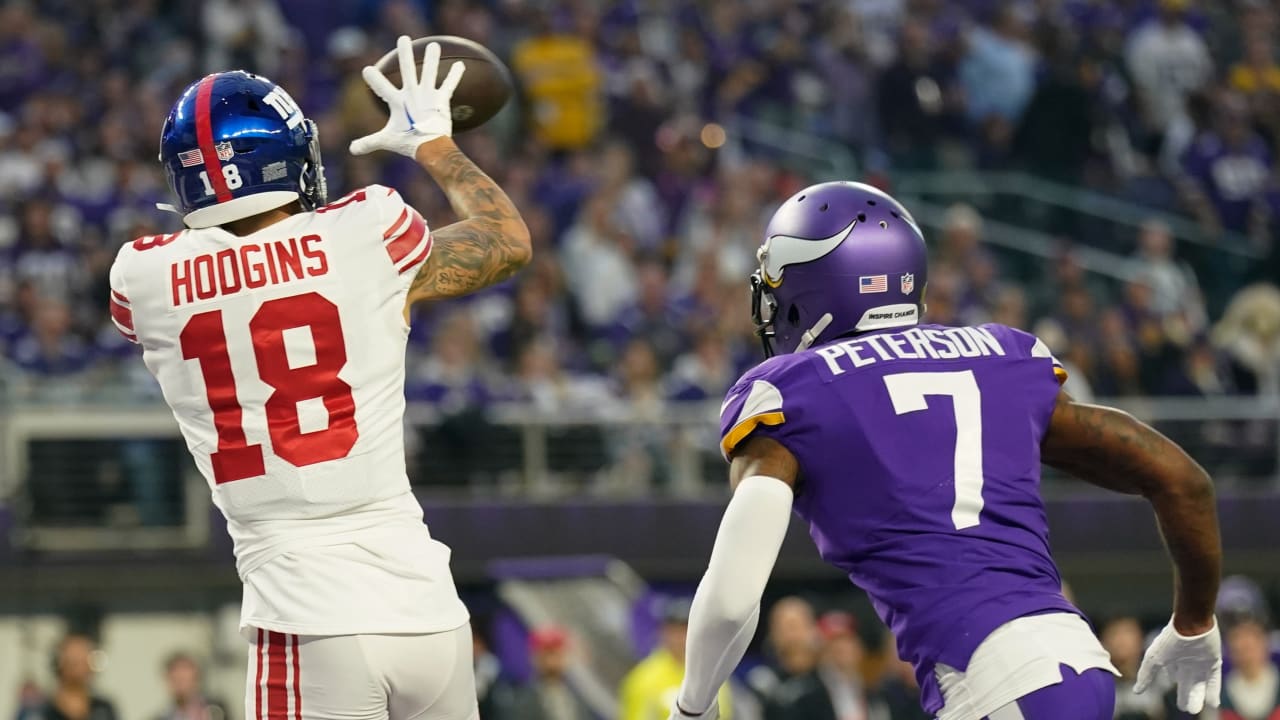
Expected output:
{"points": [[488, 245]]}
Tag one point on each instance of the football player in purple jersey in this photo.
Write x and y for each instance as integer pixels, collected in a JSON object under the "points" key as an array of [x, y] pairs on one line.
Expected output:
{"points": [[913, 452]]}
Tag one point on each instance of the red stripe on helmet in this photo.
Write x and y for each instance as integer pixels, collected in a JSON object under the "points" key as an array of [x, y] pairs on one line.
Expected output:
{"points": [[204, 137]]}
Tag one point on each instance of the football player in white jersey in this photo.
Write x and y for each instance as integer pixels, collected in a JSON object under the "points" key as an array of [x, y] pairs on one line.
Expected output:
{"points": [[276, 326]]}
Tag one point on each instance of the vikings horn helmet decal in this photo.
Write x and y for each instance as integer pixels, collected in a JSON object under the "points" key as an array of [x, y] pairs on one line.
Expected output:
{"points": [[820, 249]]}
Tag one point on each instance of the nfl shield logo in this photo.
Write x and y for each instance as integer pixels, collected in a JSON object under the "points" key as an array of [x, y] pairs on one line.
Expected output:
{"points": [[224, 150], [908, 283]]}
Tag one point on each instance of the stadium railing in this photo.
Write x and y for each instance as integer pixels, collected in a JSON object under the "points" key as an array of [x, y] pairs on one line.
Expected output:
{"points": [[71, 470], [1125, 215]]}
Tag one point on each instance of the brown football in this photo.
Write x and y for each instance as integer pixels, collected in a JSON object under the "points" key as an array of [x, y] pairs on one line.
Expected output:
{"points": [[485, 86]]}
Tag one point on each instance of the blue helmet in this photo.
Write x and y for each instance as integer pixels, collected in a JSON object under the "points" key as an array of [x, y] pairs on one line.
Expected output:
{"points": [[235, 145], [838, 258]]}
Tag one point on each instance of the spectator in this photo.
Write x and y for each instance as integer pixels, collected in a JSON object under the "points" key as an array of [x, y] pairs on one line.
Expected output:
{"points": [[42, 259], [1122, 637], [50, 348], [898, 692], [1257, 73], [1175, 291], [636, 209], [961, 238], [1168, 61], [1055, 338], [541, 380], [182, 676], [1249, 335], [841, 667], [656, 315], [72, 697], [496, 696], [1055, 135], [997, 74], [706, 373], [454, 377], [561, 74], [244, 33], [841, 57], [1241, 597], [913, 99], [793, 645], [648, 691], [597, 257], [725, 227], [30, 699], [1251, 690], [548, 696], [1227, 168]]}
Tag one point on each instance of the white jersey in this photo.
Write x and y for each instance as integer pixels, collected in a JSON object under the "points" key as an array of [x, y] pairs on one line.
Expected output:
{"points": [[281, 354]]}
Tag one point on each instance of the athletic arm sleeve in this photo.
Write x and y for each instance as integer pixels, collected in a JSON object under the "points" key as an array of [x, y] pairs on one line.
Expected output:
{"points": [[726, 608]]}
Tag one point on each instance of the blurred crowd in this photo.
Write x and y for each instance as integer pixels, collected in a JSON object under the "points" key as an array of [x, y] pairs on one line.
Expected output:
{"points": [[645, 199], [810, 665]]}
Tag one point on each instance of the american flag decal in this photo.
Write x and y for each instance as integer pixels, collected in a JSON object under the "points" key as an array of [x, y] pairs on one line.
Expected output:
{"points": [[191, 158], [873, 284], [224, 150]]}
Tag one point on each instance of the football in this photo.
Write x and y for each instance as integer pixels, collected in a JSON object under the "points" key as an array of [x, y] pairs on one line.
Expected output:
{"points": [[485, 86]]}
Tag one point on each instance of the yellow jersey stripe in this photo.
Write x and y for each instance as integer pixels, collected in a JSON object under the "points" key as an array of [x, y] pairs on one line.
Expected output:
{"points": [[745, 428]]}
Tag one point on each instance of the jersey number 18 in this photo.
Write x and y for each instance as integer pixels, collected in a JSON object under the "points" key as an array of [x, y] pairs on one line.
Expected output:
{"points": [[204, 339]]}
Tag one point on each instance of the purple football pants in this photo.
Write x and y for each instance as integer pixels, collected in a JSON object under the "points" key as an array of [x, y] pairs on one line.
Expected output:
{"points": [[1087, 696]]}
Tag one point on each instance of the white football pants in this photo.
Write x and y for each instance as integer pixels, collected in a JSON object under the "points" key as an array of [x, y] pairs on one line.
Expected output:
{"points": [[361, 677]]}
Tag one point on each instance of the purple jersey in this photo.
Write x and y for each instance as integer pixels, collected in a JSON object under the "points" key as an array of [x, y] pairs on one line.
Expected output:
{"points": [[919, 454]]}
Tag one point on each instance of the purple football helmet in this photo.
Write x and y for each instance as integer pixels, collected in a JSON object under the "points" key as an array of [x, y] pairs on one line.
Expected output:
{"points": [[838, 258]]}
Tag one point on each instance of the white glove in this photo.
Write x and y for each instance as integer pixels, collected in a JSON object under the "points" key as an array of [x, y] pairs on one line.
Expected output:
{"points": [[1193, 663], [712, 713], [419, 110]]}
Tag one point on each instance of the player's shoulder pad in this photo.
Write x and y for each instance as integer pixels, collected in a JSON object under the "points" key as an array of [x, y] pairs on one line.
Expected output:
{"points": [[404, 232], [1026, 345], [372, 198], [759, 398], [147, 242]]}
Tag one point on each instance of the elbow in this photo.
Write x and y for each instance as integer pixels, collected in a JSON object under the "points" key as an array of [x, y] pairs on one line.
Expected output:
{"points": [[517, 234], [1192, 485], [722, 607]]}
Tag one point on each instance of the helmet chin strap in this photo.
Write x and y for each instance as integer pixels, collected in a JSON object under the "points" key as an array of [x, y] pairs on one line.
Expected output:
{"points": [[811, 335]]}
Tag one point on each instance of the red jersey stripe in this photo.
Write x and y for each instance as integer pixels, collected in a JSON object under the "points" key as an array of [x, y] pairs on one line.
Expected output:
{"points": [[400, 248], [419, 258], [351, 197], [297, 680], [120, 298], [121, 314], [257, 683], [204, 138], [397, 225], [277, 682]]}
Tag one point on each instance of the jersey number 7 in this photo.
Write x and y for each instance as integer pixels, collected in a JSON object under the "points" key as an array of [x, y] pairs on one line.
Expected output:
{"points": [[204, 339], [907, 391]]}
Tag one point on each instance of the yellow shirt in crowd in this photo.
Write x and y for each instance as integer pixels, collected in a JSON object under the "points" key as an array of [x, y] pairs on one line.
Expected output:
{"points": [[649, 690], [562, 80], [1248, 79]]}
